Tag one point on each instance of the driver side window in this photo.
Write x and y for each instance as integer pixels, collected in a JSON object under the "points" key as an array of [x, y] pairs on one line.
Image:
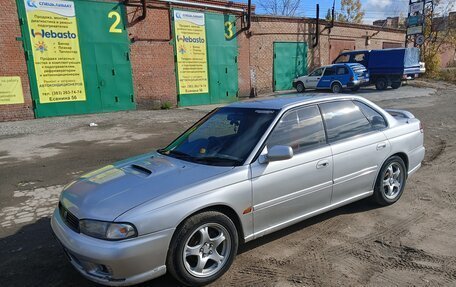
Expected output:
{"points": [[316, 72], [301, 129]]}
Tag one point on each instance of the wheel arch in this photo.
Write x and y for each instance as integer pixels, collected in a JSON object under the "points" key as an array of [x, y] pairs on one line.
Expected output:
{"points": [[402, 155], [336, 81], [224, 209]]}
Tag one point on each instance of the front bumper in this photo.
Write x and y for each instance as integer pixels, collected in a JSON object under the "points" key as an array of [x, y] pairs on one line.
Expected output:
{"points": [[114, 263]]}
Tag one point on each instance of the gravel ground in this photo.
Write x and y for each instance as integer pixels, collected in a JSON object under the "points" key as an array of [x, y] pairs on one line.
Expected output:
{"points": [[408, 244]]}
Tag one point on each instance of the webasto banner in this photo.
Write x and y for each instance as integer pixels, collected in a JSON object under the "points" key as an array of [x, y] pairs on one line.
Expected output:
{"points": [[190, 32], [55, 46]]}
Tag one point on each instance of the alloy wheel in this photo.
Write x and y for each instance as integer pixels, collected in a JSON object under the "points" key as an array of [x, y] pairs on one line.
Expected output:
{"points": [[393, 178], [207, 250]]}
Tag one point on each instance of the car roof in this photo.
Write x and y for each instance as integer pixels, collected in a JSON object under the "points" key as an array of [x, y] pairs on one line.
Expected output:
{"points": [[290, 100]]}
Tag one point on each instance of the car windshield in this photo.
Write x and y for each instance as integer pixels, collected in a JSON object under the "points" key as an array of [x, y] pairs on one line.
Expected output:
{"points": [[224, 137], [342, 59]]}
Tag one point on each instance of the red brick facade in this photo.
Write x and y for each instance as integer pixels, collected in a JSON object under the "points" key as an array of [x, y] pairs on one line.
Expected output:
{"points": [[12, 61], [152, 54]]}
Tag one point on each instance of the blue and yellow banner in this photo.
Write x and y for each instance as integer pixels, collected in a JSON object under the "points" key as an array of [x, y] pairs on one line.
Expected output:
{"points": [[55, 44], [190, 33]]}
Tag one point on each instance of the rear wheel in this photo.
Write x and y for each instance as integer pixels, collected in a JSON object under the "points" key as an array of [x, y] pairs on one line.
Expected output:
{"points": [[336, 88], [354, 89], [203, 248], [381, 84], [391, 181], [300, 87]]}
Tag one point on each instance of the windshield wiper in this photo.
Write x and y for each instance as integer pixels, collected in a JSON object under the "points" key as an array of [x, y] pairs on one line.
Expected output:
{"points": [[176, 153], [218, 159]]}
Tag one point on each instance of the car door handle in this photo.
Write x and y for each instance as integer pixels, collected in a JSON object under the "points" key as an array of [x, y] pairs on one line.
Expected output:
{"points": [[322, 163], [381, 146]]}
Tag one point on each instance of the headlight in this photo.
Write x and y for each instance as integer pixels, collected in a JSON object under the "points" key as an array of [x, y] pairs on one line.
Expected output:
{"points": [[107, 230]]}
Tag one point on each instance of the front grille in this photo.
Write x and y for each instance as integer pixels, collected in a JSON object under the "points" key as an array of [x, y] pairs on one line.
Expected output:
{"points": [[70, 220]]}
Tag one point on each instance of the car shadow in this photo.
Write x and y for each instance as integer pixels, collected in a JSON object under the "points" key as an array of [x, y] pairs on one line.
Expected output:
{"points": [[356, 207], [31, 256]]}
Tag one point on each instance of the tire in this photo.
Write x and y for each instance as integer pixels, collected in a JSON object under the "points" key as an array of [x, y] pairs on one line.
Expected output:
{"points": [[198, 234], [381, 84], [390, 184], [336, 88], [300, 87], [396, 85], [355, 88]]}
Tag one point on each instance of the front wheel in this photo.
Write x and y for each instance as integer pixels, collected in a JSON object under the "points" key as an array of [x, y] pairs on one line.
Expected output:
{"points": [[300, 87], [391, 181], [203, 248]]}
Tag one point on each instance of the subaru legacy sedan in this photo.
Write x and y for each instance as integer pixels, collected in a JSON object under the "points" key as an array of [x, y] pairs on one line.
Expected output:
{"points": [[239, 173]]}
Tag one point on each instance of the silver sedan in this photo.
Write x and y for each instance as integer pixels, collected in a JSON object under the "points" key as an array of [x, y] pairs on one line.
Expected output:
{"points": [[241, 172]]}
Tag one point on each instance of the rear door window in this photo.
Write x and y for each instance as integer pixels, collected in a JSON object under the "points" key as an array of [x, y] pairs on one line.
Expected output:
{"points": [[343, 120], [330, 71], [375, 118], [358, 57]]}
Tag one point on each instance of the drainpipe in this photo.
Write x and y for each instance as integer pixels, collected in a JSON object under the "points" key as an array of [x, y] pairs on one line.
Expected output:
{"points": [[317, 29]]}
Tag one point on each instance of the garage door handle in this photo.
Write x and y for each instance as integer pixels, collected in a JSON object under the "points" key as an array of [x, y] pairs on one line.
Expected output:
{"points": [[322, 164], [381, 146]]}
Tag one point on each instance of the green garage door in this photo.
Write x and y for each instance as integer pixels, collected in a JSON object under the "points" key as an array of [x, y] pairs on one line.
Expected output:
{"points": [[104, 52], [222, 67], [290, 61]]}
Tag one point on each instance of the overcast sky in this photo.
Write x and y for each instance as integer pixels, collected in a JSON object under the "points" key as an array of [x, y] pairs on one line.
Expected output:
{"points": [[374, 9]]}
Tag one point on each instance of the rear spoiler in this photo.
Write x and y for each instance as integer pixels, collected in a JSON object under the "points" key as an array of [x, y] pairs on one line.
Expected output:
{"points": [[400, 114]]}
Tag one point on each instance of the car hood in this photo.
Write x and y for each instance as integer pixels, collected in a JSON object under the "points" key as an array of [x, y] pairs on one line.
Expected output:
{"points": [[106, 193]]}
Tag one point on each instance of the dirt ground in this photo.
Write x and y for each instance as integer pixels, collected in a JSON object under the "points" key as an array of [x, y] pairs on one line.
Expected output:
{"points": [[411, 243]]}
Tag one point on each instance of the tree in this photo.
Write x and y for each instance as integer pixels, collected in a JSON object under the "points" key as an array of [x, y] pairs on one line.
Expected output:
{"points": [[328, 15], [280, 7], [350, 11], [439, 31]]}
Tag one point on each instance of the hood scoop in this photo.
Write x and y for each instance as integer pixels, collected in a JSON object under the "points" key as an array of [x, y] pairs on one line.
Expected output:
{"points": [[142, 169]]}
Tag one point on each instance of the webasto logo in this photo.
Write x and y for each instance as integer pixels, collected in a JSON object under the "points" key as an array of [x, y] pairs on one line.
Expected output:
{"points": [[53, 35], [188, 39]]}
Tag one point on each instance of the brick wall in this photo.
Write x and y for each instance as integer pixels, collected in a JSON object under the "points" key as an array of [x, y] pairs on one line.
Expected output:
{"points": [[152, 54], [152, 58], [13, 61], [266, 30]]}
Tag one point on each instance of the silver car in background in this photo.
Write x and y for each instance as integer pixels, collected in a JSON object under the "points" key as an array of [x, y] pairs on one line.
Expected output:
{"points": [[241, 172]]}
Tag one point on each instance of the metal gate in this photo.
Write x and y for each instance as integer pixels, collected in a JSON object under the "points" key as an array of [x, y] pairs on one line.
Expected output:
{"points": [[105, 61], [337, 46], [290, 61], [222, 67]]}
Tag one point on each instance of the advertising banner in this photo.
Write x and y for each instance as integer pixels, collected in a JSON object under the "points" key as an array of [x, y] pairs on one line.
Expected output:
{"points": [[190, 33], [414, 30], [55, 45], [11, 91], [416, 7]]}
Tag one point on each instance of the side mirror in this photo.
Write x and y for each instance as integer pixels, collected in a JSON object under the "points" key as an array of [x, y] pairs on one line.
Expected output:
{"points": [[277, 152]]}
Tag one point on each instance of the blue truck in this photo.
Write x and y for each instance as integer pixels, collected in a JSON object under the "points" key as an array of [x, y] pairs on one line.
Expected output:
{"points": [[387, 67]]}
